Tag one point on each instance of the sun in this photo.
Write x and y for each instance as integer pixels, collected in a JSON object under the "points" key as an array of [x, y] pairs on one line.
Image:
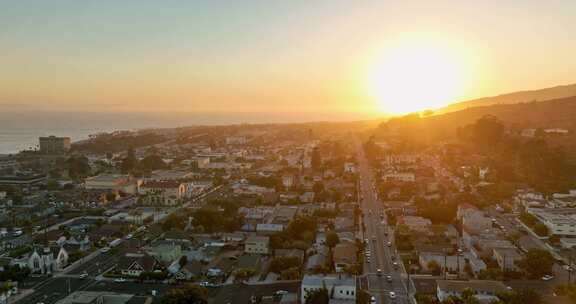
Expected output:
{"points": [[417, 75]]}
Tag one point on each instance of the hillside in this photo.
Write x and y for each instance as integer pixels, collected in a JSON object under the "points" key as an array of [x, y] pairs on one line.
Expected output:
{"points": [[557, 113], [516, 97]]}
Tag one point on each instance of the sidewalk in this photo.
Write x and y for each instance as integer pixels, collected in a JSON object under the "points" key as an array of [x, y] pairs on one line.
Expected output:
{"points": [[22, 293]]}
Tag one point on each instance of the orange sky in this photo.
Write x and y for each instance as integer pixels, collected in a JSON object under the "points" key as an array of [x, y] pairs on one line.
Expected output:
{"points": [[260, 56]]}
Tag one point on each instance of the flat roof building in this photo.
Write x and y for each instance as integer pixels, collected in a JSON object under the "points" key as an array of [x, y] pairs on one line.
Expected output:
{"points": [[54, 145]]}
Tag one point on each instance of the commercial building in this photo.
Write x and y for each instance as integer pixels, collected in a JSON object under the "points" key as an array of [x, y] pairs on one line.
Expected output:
{"points": [[54, 145], [560, 221], [112, 182]]}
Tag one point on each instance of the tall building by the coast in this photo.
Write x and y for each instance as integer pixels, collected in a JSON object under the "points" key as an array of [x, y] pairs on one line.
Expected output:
{"points": [[54, 145]]}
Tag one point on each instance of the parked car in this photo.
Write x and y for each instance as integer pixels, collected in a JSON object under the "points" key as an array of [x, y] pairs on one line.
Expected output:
{"points": [[547, 277]]}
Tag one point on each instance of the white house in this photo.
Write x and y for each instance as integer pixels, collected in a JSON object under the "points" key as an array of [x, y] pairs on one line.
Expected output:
{"points": [[475, 220], [485, 291], [349, 167], [257, 244], [507, 258], [341, 288]]}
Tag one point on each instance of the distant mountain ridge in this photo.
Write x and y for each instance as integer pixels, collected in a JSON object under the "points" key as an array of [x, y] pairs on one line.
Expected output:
{"points": [[551, 93]]}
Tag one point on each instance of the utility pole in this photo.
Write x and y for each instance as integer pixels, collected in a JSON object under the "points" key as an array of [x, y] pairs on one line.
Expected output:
{"points": [[569, 268], [458, 264], [408, 283], [445, 265], [504, 266]]}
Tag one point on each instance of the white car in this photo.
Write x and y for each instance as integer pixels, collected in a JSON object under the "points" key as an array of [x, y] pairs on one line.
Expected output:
{"points": [[120, 280], [84, 275], [392, 295], [280, 292], [372, 300], [547, 277], [379, 272]]}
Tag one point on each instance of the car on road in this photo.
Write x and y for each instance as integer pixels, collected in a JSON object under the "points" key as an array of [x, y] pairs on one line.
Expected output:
{"points": [[83, 275], [372, 300], [374, 239], [281, 292], [389, 244], [379, 272], [568, 268], [120, 280], [389, 278], [547, 277], [392, 295], [395, 265]]}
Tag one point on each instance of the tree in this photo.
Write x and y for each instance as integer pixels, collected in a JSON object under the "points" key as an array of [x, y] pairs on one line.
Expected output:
{"points": [[183, 261], [316, 160], [78, 166], [151, 163], [468, 297], [332, 239], [525, 296], [129, 163], [280, 264], [319, 296], [537, 263], [173, 221], [187, 294], [290, 274], [243, 274], [540, 229], [434, 267], [362, 297]]}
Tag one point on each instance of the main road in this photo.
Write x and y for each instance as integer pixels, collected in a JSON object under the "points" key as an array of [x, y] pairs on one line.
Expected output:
{"points": [[383, 268]]}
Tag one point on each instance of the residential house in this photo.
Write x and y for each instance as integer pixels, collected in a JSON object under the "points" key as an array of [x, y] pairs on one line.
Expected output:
{"points": [[415, 223], [341, 288], [134, 264], [166, 251], [451, 263], [344, 256], [507, 258], [484, 291], [257, 245]]}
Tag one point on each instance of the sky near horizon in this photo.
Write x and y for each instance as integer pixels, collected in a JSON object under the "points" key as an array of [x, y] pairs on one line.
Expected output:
{"points": [[299, 56]]}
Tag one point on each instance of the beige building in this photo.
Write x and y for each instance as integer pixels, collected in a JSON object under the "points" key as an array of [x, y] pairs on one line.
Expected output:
{"points": [[54, 145], [257, 244], [112, 182]]}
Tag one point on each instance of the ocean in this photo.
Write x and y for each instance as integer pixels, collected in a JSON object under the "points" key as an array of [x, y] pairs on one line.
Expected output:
{"points": [[20, 130]]}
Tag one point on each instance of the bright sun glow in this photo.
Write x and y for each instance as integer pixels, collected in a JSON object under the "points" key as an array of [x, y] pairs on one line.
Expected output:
{"points": [[417, 75]]}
